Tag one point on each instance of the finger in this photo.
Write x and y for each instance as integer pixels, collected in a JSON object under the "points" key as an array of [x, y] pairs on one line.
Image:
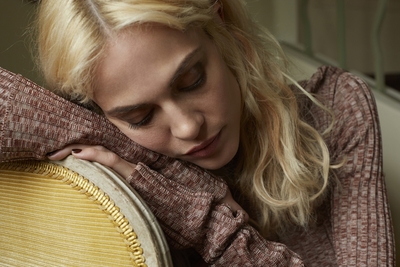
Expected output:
{"points": [[68, 150], [96, 154], [105, 157], [62, 153]]}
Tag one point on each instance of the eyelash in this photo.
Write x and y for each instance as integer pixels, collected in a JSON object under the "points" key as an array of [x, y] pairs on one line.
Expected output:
{"points": [[198, 83], [143, 122]]}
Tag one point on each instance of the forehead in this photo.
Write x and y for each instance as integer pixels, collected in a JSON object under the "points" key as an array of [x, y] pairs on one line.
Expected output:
{"points": [[140, 58]]}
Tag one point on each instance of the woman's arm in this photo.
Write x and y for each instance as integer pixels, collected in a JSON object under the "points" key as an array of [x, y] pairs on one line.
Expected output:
{"points": [[191, 218], [362, 233], [360, 213], [35, 122]]}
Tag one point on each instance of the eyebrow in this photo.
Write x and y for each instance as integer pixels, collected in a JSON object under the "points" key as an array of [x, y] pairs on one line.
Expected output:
{"points": [[179, 71], [184, 64]]}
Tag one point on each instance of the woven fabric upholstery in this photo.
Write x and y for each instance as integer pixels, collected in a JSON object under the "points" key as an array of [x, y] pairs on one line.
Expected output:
{"points": [[53, 216]]}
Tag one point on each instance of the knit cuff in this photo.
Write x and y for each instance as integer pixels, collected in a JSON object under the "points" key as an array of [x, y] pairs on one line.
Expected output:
{"points": [[221, 229], [230, 241], [249, 249]]}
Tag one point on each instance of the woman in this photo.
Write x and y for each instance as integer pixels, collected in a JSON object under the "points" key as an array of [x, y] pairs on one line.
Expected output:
{"points": [[198, 81]]}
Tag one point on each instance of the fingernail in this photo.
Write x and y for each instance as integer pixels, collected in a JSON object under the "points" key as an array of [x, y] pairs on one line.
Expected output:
{"points": [[76, 150]]}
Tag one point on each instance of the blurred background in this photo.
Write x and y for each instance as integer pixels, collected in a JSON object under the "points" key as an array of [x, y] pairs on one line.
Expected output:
{"points": [[16, 17], [361, 36]]}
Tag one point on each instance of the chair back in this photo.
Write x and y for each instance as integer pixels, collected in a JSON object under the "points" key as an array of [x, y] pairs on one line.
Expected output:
{"points": [[75, 213]]}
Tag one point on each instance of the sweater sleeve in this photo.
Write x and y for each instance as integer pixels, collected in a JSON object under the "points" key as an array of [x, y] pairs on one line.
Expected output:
{"points": [[194, 218], [361, 233], [34, 121]]}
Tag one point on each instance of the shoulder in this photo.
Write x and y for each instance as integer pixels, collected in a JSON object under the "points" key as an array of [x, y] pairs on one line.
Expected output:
{"points": [[338, 88], [352, 103]]}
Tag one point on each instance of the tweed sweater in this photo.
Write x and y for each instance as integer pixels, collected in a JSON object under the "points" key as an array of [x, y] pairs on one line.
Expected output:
{"points": [[352, 228]]}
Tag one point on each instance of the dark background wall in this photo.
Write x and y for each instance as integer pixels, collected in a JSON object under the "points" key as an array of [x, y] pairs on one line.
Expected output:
{"points": [[16, 17]]}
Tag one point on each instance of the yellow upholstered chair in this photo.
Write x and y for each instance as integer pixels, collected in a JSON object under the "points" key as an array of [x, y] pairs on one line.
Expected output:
{"points": [[74, 213]]}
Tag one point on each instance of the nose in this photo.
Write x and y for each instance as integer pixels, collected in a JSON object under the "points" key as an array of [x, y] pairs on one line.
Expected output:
{"points": [[185, 122]]}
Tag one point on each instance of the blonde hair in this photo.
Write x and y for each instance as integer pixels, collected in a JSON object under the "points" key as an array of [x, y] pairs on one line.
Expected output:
{"points": [[283, 165]]}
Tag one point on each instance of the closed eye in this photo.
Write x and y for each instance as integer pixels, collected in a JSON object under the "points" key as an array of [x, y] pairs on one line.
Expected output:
{"points": [[145, 121], [192, 79]]}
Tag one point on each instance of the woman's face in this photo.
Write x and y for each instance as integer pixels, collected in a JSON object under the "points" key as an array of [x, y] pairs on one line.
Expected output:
{"points": [[172, 93]]}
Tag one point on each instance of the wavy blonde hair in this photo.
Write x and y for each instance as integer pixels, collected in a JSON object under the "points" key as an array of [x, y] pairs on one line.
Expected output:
{"points": [[283, 163]]}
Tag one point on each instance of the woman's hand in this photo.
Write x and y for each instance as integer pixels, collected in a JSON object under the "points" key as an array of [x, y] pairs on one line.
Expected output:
{"points": [[97, 154], [122, 167]]}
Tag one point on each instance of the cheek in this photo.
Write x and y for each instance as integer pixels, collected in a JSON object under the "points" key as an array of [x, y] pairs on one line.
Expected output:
{"points": [[153, 139]]}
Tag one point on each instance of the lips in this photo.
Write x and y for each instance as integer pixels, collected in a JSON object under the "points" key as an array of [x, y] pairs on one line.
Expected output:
{"points": [[205, 148]]}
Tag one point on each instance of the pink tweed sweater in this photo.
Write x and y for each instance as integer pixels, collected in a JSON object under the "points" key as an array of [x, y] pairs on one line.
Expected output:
{"points": [[353, 225]]}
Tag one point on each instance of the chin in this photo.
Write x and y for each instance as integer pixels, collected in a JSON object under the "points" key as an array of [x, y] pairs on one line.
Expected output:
{"points": [[215, 164], [212, 167]]}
